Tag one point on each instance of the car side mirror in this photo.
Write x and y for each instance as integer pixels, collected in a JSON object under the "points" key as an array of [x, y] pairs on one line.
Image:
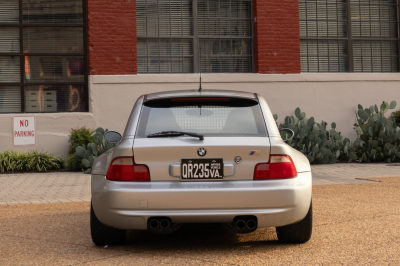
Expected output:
{"points": [[286, 134], [112, 136]]}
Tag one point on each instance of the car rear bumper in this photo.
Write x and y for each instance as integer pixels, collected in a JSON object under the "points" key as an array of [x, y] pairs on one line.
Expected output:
{"points": [[126, 205]]}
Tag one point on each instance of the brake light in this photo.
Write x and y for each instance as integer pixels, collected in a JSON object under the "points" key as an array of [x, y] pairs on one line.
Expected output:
{"points": [[125, 169], [200, 99], [278, 167]]}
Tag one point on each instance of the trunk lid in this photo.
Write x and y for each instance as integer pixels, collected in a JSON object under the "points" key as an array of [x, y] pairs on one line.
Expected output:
{"points": [[163, 155]]}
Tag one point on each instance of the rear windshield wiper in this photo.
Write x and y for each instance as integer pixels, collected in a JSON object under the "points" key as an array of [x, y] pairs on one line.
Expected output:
{"points": [[174, 134]]}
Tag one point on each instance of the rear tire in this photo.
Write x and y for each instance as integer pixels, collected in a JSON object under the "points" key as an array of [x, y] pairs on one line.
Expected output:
{"points": [[299, 232], [104, 235]]}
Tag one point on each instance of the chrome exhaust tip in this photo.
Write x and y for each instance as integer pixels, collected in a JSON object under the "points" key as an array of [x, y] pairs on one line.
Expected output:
{"points": [[240, 224], [154, 224], [164, 224], [251, 224]]}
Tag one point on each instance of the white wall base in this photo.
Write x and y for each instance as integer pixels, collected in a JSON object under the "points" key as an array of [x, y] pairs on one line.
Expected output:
{"points": [[328, 97]]}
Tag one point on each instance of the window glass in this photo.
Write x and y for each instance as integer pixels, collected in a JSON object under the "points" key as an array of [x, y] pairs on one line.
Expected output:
{"points": [[9, 11], [10, 99], [53, 40], [9, 40], [325, 31], [9, 69], [55, 98], [223, 32], [50, 11], [55, 69], [48, 45], [208, 120]]}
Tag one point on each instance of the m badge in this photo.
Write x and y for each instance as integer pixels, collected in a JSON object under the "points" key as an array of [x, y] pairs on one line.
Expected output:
{"points": [[258, 152]]}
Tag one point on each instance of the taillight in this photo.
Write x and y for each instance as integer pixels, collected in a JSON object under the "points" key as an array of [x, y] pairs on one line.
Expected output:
{"points": [[125, 169], [278, 167]]}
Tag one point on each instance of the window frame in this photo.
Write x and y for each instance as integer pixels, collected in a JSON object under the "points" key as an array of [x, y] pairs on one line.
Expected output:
{"points": [[350, 39], [196, 39], [22, 84]]}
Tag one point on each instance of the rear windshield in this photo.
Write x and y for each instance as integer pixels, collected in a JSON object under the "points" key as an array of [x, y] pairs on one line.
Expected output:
{"points": [[208, 120]]}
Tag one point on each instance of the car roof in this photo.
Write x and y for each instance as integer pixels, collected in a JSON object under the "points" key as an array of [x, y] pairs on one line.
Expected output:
{"points": [[203, 93]]}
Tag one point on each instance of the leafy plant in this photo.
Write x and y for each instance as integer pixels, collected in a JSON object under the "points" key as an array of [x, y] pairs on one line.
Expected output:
{"points": [[86, 154], [80, 136], [320, 145], [378, 137], [11, 161]]}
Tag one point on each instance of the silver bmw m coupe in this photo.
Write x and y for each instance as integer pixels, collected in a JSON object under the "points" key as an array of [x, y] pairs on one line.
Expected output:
{"points": [[208, 156]]}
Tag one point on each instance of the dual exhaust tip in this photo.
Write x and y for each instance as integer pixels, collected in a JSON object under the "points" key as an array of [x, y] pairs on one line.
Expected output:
{"points": [[159, 223], [246, 224]]}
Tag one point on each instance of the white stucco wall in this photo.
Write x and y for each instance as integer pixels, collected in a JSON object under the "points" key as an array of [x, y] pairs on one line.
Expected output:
{"points": [[328, 97]]}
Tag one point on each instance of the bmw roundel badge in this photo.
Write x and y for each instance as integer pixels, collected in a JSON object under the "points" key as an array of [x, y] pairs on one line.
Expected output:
{"points": [[201, 152]]}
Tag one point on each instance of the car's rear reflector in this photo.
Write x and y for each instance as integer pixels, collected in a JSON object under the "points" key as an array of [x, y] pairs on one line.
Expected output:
{"points": [[278, 167], [125, 169], [199, 99]]}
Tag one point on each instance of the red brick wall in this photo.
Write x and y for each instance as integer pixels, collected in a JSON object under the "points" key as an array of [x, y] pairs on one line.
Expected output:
{"points": [[112, 37], [277, 37]]}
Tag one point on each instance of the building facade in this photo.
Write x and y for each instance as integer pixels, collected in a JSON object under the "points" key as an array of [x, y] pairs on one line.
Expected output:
{"points": [[84, 62]]}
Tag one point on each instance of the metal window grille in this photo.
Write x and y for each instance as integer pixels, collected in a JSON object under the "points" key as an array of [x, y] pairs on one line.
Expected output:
{"points": [[43, 56], [349, 35], [171, 34]]}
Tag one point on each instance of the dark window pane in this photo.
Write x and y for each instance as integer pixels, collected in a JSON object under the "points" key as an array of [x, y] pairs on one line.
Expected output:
{"points": [[10, 99], [164, 55], [323, 55], [55, 98], [10, 69], [9, 40], [323, 22], [45, 11], [9, 11], [164, 18], [53, 40], [375, 56], [226, 55], [55, 68]]}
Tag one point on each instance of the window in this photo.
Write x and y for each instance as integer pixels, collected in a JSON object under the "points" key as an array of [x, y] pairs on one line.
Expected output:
{"points": [[208, 120], [42, 56], [171, 31], [349, 35]]}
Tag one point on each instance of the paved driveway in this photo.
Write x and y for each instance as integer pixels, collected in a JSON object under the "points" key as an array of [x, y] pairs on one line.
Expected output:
{"points": [[75, 187], [354, 224]]}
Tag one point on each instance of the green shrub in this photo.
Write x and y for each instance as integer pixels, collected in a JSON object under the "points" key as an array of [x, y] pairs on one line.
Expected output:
{"points": [[320, 145], [86, 154], [11, 161], [80, 136], [378, 137]]}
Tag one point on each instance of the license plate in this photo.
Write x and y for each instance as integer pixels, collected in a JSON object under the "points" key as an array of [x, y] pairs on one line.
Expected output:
{"points": [[202, 169]]}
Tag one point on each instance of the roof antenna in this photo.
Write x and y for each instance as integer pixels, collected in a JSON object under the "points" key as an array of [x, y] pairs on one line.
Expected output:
{"points": [[200, 70]]}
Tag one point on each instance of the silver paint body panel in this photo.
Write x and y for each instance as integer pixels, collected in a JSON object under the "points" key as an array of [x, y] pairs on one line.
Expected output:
{"points": [[128, 205]]}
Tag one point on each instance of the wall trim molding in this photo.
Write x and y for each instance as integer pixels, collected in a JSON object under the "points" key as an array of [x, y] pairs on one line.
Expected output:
{"points": [[243, 78]]}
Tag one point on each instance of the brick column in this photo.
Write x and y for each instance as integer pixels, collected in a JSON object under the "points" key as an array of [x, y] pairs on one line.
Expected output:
{"points": [[112, 37], [277, 36]]}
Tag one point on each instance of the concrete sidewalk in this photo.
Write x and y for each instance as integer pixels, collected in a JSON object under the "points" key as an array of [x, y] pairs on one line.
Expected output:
{"points": [[62, 187]]}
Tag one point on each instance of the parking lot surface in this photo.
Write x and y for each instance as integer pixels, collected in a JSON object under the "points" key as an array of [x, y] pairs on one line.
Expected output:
{"points": [[63, 187], [354, 224]]}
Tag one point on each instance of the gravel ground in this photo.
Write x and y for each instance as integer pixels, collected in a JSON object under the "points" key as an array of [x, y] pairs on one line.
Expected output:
{"points": [[354, 224]]}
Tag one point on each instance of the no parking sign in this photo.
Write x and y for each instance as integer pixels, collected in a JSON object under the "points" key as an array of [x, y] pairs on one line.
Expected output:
{"points": [[24, 131]]}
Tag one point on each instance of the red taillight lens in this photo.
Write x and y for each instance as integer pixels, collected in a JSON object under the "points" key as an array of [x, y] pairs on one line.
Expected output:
{"points": [[125, 169], [278, 167]]}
